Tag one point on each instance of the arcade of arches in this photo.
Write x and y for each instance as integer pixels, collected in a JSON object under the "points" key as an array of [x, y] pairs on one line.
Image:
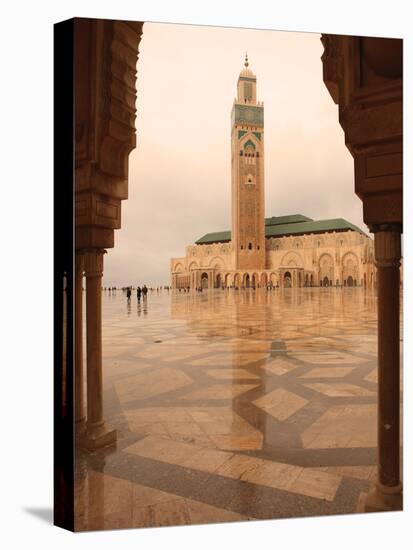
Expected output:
{"points": [[364, 78], [336, 258]]}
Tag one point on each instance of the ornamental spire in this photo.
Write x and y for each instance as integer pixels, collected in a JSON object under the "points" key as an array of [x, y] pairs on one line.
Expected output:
{"points": [[246, 59]]}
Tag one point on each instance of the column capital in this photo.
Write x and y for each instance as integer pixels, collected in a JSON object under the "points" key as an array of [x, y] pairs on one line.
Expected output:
{"points": [[387, 245], [93, 262], [388, 227]]}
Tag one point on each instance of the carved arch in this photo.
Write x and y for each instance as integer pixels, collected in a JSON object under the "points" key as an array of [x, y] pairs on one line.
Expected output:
{"points": [[217, 263], [292, 259]]}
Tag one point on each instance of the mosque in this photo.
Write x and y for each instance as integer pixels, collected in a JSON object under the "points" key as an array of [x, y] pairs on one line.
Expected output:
{"points": [[281, 251]]}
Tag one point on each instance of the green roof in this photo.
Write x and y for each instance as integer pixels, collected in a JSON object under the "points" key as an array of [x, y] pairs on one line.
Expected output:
{"points": [[320, 226], [219, 237], [281, 226], [293, 218]]}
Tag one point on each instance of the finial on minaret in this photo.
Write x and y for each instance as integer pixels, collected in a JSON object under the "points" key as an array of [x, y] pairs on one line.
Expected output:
{"points": [[246, 59]]}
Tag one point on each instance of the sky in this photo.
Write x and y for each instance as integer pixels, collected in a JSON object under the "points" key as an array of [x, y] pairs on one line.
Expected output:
{"points": [[180, 171]]}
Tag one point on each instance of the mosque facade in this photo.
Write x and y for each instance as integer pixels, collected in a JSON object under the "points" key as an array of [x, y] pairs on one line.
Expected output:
{"points": [[281, 251]]}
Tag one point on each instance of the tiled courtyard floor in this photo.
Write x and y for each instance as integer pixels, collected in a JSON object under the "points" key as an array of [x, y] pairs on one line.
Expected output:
{"points": [[233, 406]]}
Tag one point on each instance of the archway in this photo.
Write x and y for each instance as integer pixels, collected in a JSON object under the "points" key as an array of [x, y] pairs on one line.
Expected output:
{"points": [[326, 269], [264, 280], [254, 280], [218, 280], [247, 280], [292, 259], [217, 263], [236, 280], [204, 280], [350, 268], [287, 279]]}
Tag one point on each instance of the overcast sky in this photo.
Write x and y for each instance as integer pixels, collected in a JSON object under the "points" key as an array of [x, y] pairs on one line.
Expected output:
{"points": [[180, 171]]}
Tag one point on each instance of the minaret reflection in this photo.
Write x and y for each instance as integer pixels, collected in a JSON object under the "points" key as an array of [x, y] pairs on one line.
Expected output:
{"points": [[237, 327], [251, 344]]}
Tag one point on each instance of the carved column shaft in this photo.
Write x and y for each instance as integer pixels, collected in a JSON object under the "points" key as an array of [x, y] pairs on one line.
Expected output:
{"points": [[388, 252], [79, 382], [94, 273]]}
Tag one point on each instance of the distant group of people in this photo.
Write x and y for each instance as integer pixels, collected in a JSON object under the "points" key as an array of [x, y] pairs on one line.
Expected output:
{"points": [[110, 289], [141, 292]]}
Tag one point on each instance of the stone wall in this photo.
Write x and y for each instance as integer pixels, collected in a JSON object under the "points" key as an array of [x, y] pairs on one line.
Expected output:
{"points": [[334, 258]]}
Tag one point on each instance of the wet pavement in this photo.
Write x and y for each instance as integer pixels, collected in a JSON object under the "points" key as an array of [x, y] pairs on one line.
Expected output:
{"points": [[233, 405]]}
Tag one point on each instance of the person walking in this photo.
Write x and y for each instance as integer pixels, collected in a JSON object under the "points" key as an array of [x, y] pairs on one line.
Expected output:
{"points": [[138, 293], [128, 293], [144, 291]]}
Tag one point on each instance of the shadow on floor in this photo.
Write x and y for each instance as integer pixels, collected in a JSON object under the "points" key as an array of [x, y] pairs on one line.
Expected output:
{"points": [[45, 514]]}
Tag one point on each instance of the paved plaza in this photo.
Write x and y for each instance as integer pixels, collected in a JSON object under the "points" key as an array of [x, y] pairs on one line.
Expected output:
{"points": [[233, 405]]}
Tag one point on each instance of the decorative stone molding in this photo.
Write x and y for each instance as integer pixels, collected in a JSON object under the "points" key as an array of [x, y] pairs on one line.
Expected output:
{"points": [[387, 245], [93, 263], [106, 54], [364, 77]]}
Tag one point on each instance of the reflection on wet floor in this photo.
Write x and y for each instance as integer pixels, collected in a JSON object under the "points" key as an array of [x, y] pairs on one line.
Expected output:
{"points": [[232, 406]]}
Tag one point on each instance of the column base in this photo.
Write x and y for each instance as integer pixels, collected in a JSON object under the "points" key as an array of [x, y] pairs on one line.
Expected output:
{"points": [[96, 437], [383, 499]]}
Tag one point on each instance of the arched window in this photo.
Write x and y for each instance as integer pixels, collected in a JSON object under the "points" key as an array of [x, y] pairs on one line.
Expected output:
{"points": [[242, 248], [249, 246]]}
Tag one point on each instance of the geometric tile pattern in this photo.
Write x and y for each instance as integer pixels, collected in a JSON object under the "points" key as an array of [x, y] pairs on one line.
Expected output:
{"points": [[328, 372], [294, 479], [339, 389], [124, 504], [232, 406], [150, 384], [343, 426], [213, 427], [218, 392], [280, 403]]}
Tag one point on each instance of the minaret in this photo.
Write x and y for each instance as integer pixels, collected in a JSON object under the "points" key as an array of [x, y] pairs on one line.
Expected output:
{"points": [[247, 159]]}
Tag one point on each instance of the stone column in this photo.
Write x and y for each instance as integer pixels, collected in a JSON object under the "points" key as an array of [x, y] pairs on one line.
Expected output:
{"points": [[97, 433], [80, 417], [387, 494]]}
